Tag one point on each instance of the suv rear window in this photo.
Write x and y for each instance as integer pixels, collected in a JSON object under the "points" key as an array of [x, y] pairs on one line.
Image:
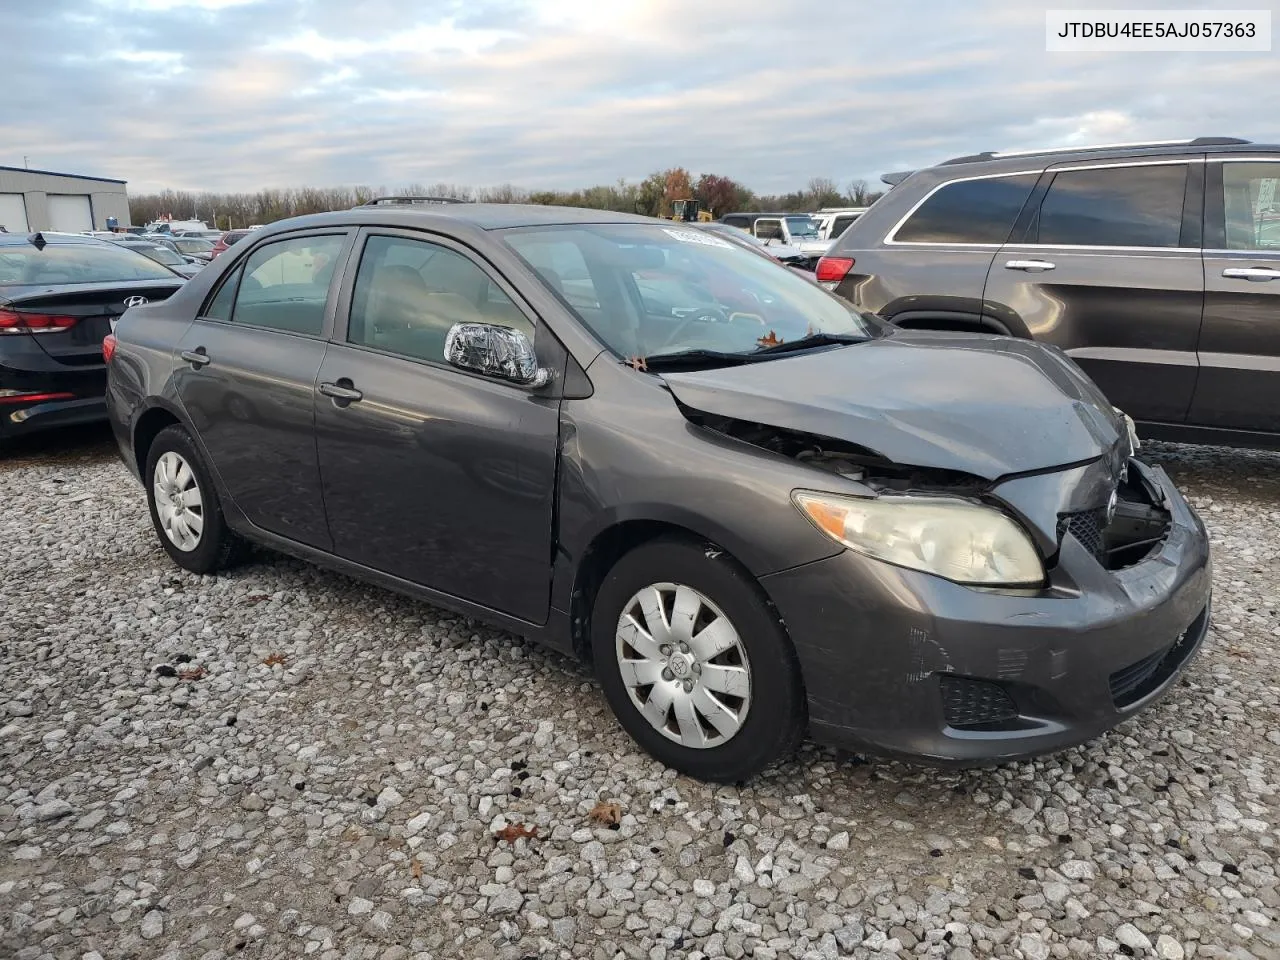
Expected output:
{"points": [[1115, 207], [969, 211]]}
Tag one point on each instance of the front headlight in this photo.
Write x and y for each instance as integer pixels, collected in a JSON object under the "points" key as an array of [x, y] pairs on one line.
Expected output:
{"points": [[962, 541]]}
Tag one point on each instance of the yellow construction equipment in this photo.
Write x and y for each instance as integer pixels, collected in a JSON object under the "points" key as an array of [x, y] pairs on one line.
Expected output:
{"points": [[688, 211]]}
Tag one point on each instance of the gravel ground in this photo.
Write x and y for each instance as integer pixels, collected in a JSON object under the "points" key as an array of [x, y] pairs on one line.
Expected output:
{"points": [[282, 762]]}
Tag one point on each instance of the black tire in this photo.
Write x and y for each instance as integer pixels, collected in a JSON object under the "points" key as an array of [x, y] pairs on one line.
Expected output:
{"points": [[775, 719], [218, 547]]}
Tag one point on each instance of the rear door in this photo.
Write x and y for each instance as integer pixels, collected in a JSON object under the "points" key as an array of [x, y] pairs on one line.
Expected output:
{"points": [[246, 373], [1239, 385], [1108, 268]]}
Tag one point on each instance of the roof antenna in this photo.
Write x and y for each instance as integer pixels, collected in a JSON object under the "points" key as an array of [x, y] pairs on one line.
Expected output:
{"points": [[37, 240]]}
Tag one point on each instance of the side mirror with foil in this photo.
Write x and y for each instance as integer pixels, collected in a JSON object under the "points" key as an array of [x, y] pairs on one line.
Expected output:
{"points": [[495, 351]]}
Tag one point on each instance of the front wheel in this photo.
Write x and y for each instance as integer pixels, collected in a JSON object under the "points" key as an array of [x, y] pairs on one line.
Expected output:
{"points": [[695, 663], [185, 510]]}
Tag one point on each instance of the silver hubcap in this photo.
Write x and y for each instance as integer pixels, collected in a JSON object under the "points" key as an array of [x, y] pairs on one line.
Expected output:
{"points": [[178, 501], [684, 665]]}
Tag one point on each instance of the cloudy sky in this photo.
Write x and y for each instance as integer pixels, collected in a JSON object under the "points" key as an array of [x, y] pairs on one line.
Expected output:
{"points": [[243, 94]]}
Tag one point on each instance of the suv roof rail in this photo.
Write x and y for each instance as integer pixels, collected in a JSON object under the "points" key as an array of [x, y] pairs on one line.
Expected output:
{"points": [[1085, 148], [893, 179], [405, 201]]}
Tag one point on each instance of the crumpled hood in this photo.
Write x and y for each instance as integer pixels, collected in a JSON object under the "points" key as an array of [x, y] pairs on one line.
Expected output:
{"points": [[986, 406]]}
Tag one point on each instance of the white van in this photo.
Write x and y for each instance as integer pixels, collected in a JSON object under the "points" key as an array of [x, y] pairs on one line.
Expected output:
{"points": [[833, 221], [173, 226]]}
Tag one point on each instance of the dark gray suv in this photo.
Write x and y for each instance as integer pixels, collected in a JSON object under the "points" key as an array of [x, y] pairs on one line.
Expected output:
{"points": [[1156, 267], [756, 510]]}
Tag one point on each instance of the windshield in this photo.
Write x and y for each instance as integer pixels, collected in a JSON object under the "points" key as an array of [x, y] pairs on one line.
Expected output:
{"points": [[739, 235], [158, 253], [75, 263], [648, 290], [194, 245], [802, 228]]}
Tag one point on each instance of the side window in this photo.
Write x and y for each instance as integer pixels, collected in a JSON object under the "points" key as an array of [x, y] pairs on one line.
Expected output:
{"points": [[560, 265], [840, 224], [1251, 201], [769, 229], [286, 283], [219, 307], [1115, 207], [408, 294], [969, 211]]}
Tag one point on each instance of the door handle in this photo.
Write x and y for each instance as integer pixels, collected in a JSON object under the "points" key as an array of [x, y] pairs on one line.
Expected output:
{"points": [[197, 357], [343, 392], [1256, 274], [1030, 266]]}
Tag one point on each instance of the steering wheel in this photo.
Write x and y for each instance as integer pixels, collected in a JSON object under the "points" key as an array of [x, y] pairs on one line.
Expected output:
{"points": [[703, 314]]}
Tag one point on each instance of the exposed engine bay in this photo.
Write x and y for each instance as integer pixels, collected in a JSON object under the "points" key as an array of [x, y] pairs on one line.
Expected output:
{"points": [[1118, 534]]}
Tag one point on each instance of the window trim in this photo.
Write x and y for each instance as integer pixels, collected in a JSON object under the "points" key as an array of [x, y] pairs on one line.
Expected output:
{"points": [[346, 295], [1188, 197], [891, 240], [242, 260]]}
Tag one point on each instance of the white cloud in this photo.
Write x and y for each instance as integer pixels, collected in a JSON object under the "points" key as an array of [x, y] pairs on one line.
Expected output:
{"points": [[221, 94], [443, 37]]}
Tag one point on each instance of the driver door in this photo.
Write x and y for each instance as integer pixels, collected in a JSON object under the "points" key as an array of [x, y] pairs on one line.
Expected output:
{"points": [[438, 476]]}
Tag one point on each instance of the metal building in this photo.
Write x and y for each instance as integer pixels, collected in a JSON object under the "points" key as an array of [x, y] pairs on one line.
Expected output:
{"points": [[41, 200]]}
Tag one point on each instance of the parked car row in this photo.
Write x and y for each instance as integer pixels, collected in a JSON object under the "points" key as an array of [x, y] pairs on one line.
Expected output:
{"points": [[796, 239], [755, 509], [1155, 267]]}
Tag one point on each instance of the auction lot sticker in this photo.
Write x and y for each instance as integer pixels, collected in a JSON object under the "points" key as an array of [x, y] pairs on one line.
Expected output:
{"points": [[693, 236]]}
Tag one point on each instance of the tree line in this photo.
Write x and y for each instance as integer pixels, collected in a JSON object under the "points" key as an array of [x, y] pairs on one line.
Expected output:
{"points": [[652, 196]]}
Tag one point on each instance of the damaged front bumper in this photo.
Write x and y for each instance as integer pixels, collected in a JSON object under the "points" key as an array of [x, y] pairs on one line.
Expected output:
{"points": [[905, 663]]}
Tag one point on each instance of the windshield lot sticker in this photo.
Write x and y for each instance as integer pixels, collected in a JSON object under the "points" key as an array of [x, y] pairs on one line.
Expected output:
{"points": [[691, 236]]}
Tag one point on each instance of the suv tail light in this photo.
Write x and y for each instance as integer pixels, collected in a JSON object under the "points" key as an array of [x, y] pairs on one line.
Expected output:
{"points": [[108, 347], [833, 269], [11, 321]]}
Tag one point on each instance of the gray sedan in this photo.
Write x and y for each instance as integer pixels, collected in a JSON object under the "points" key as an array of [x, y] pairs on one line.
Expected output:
{"points": [[757, 512]]}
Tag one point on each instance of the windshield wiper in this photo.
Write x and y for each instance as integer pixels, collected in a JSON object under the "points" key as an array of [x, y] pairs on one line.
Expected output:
{"points": [[693, 359], [812, 340]]}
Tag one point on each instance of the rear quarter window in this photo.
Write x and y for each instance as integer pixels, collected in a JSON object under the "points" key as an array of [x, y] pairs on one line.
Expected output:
{"points": [[969, 211]]}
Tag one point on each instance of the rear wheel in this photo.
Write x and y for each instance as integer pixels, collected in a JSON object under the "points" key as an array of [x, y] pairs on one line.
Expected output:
{"points": [[695, 663], [184, 505]]}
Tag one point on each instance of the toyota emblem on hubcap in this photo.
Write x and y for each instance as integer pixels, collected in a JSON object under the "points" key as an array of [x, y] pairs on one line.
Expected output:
{"points": [[135, 301]]}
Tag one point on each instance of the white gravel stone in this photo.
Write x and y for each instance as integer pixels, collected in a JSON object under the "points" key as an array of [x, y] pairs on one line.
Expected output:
{"points": [[838, 841], [1033, 947], [1131, 937], [344, 805], [152, 925]]}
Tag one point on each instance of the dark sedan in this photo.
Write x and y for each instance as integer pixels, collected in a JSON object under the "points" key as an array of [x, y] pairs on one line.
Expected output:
{"points": [[59, 295], [754, 509], [164, 252]]}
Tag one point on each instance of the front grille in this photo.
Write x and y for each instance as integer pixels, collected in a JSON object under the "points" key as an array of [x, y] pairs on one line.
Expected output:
{"points": [[975, 704], [1088, 527], [1138, 680]]}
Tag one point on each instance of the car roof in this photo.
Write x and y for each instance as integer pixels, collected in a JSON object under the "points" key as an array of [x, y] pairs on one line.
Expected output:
{"points": [[768, 213], [1213, 146], [485, 216], [20, 239]]}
